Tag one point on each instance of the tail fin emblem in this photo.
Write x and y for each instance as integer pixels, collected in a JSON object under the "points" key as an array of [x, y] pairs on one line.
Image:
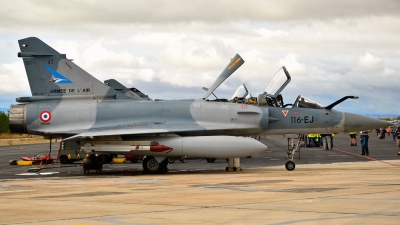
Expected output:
{"points": [[58, 78]]}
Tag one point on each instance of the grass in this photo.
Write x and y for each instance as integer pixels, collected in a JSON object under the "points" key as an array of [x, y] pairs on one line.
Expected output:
{"points": [[20, 139], [15, 136]]}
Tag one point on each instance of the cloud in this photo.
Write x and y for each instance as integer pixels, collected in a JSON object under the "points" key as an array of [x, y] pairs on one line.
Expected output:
{"points": [[370, 63], [146, 75], [14, 80], [175, 11], [389, 72], [293, 65]]}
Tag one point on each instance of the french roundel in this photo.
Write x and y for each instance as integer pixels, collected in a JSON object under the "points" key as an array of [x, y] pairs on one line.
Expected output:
{"points": [[45, 116]]}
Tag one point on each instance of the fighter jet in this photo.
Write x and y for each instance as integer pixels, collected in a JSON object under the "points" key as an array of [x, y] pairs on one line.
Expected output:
{"points": [[102, 119]]}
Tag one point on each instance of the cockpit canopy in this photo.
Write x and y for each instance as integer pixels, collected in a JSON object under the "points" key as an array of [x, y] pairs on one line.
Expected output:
{"points": [[303, 102], [272, 94], [241, 92], [277, 83]]}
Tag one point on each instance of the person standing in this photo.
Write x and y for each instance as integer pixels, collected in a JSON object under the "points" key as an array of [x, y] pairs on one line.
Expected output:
{"points": [[353, 139], [327, 141], [383, 133], [393, 132], [398, 138], [317, 140], [311, 140], [364, 143]]}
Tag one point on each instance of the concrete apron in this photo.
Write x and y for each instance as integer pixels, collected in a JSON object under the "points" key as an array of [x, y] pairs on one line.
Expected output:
{"points": [[351, 193]]}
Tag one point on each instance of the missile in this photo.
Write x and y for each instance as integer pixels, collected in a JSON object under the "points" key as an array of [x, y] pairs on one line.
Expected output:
{"points": [[160, 148], [197, 146]]}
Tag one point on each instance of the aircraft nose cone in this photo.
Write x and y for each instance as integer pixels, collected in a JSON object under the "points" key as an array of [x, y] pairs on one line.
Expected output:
{"points": [[354, 122]]}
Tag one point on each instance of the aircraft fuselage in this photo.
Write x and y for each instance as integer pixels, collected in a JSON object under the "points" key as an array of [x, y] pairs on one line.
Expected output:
{"points": [[70, 117]]}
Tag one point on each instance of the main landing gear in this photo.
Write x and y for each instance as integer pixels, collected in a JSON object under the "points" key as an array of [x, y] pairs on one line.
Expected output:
{"points": [[234, 164], [292, 148], [152, 165]]}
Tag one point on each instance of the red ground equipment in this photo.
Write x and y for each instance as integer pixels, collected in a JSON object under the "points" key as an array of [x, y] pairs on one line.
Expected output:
{"points": [[39, 159]]}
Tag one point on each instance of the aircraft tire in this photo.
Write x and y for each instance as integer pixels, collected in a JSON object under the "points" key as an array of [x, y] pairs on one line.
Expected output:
{"points": [[290, 165], [151, 165], [64, 159]]}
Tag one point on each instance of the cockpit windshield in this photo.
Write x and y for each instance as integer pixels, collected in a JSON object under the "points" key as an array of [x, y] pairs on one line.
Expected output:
{"points": [[278, 83], [303, 102], [241, 92], [240, 95]]}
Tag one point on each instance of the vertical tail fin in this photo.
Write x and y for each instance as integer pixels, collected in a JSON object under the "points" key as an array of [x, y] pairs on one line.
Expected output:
{"points": [[52, 74]]}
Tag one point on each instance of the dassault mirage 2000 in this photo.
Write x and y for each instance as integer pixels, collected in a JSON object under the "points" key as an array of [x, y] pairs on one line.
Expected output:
{"points": [[102, 118]]}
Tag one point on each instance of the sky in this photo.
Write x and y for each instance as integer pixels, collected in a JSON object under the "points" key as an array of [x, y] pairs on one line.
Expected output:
{"points": [[171, 49]]}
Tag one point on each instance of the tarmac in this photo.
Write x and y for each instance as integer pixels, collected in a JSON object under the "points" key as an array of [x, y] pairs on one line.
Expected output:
{"points": [[327, 187]]}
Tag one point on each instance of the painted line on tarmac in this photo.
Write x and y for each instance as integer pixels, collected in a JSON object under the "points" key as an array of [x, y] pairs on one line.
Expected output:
{"points": [[35, 174], [364, 156]]}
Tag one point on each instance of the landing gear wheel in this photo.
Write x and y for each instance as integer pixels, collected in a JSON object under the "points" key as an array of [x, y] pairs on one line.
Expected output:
{"points": [[152, 166], [234, 168], [290, 165], [64, 159], [227, 168]]}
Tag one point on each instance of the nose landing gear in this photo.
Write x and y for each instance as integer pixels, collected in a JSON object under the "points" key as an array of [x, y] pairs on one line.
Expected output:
{"points": [[292, 148], [290, 165]]}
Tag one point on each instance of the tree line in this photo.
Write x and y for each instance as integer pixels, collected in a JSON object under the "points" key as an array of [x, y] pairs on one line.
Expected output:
{"points": [[3, 122]]}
